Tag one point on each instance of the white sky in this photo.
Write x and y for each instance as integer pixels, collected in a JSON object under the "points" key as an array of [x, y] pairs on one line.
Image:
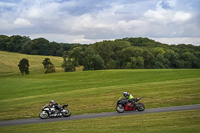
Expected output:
{"points": [[89, 21]]}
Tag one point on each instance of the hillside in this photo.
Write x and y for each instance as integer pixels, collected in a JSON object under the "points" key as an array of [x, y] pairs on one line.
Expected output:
{"points": [[89, 91], [9, 62], [127, 53], [96, 91]]}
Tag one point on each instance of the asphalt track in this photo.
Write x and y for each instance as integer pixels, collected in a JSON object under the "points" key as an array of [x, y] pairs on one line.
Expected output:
{"points": [[99, 115]]}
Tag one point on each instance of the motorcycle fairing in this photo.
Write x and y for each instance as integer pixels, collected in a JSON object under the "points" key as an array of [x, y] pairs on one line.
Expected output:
{"points": [[129, 107]]}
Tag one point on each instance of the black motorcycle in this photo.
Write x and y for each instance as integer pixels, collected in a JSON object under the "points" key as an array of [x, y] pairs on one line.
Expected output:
{"points": [[48, 111], [125, 105]]}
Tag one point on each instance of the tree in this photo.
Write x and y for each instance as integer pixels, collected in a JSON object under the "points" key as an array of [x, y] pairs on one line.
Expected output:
{"points": [[16, 43], [129, 52], [40, 46], [135, 63], [149, 59], [24, 66], [125, 56], [26, 47], [104, 49], [70, 65], [48, 66], [93, 62], [159, 57], [54, 49], [109, 51], [3, 42], [189, 60], [77, 54], [111, 64], [171, 59], [50, 69]]}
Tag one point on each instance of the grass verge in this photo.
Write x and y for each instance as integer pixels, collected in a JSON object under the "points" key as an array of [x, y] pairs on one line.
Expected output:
{"points": [[166, 122]]}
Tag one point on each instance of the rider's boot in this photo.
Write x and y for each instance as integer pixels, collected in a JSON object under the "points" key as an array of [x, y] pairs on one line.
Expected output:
{"points": [[133, 104]]}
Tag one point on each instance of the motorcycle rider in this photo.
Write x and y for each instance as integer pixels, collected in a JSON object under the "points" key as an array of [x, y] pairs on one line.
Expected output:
{"points": [[130, 98], [52, 104]]}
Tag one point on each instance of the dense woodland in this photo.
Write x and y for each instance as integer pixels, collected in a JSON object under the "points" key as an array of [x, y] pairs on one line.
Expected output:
{"points": [[126, 53]]}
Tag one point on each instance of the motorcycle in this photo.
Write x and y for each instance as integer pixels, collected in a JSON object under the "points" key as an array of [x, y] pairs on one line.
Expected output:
{"points": [[125, 105], [48, 111]]}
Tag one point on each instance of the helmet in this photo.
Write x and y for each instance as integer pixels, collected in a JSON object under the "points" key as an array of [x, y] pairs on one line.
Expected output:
{"points": [[125, 94], [51, 101]]}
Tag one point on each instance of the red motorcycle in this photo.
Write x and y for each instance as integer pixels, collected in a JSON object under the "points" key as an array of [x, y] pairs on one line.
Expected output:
{"points": [[125, 105]]}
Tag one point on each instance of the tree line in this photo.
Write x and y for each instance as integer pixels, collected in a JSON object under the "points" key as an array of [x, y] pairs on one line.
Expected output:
{"points": [[126, 53], [135, 53], [38, 46]]}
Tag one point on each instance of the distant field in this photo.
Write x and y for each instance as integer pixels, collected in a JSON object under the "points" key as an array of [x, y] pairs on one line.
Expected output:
{"points": [[91, 91], [9, 62]]}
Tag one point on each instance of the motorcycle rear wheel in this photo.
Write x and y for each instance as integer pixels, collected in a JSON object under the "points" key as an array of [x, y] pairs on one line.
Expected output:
{"points": [[43, 115], [120, 108], [66, 113], [140, 107]]}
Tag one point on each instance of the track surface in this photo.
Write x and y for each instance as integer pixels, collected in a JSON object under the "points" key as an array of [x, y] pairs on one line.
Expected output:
{"points": [[87, 116]]}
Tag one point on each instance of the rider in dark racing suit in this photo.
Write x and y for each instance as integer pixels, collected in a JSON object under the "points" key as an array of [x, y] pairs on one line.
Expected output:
{"points": [[130, 98], [55, 105]]}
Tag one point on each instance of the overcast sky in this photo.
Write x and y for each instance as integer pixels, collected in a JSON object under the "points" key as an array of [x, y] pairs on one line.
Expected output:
{"points": [[89, 21]]}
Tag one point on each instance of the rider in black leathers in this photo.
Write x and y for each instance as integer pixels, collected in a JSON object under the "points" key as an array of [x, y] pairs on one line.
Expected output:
{"points": [[130, 98], [52, 104]]}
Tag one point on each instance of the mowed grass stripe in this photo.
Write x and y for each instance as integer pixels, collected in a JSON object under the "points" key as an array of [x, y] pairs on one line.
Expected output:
{"points": [[140, 86], [19, 86]]}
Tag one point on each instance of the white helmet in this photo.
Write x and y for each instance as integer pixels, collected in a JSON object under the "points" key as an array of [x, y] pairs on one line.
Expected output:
{"points": [[51, 101], [125, 94]]}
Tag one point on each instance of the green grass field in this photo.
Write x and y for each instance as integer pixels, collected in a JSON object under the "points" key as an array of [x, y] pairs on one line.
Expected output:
{"points": [[169, 122], [94, 91], [9, 63], [91, 91]]}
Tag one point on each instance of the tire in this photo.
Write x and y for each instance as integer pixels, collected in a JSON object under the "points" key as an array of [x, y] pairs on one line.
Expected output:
{"points": [[44, 115], [140, 107], [66, 113], [120, 108]]}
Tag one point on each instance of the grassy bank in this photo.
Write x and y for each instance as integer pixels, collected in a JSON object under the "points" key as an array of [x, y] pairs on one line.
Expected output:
{"points": [[9, 63], [96, 91], [176, 122], [89, 91]]}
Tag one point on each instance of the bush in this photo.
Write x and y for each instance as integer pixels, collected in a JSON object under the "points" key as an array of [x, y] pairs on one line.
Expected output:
{"points": [[24, 66], [48, 66]]}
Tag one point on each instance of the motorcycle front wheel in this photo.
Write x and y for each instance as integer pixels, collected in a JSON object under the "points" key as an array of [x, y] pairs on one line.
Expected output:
{"points": [[120, 108], [43, 115], [66, 113], [140, 107]]}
